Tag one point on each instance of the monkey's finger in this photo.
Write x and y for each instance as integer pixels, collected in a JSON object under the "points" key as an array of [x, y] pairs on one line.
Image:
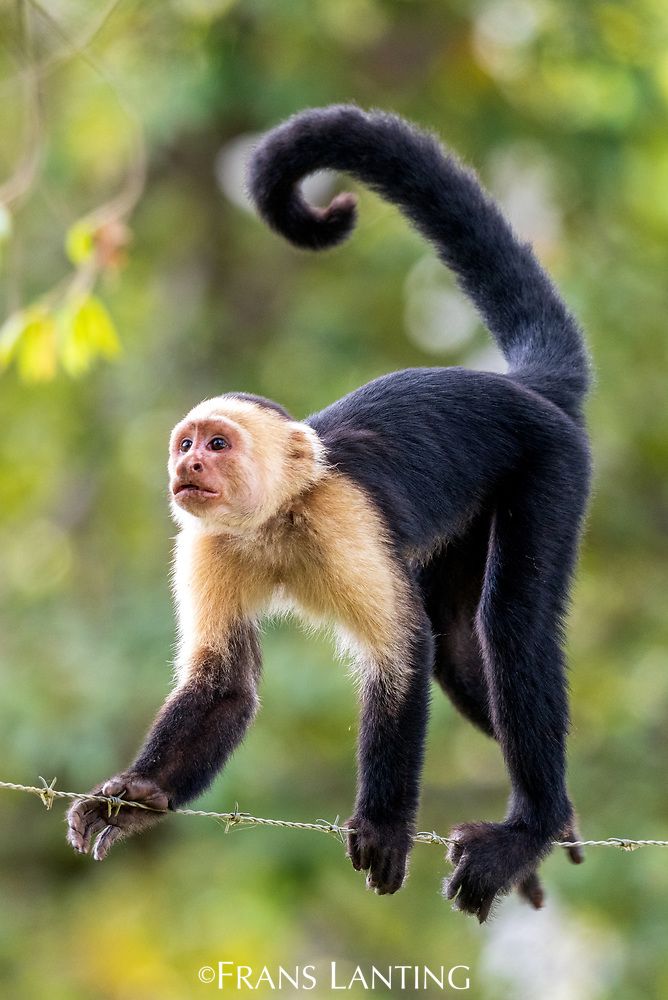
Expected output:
{"points": [[81, 816], [392, 873], [361, 851], [384, 874], [115, 786], [575, 854], [468, 897], [75, 829], [532, 890], [453, 884], [92, 829], [75, 839], [455, 851], [367, 854], [455, 855], [378, 873], [105, 842], [353, 851], [484, 908]]}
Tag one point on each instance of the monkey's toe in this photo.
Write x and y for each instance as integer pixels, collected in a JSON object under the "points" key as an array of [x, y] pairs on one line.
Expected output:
{"points": [[532, 891], [469, 894], [381, 851], [387, 873], [575, 852]]}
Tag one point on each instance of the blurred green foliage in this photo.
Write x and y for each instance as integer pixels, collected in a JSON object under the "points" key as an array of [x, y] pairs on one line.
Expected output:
{"points": [[562, 106]]}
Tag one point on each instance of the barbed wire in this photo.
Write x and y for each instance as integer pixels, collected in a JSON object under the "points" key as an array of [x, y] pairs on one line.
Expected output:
{"points": [[48, 793]]}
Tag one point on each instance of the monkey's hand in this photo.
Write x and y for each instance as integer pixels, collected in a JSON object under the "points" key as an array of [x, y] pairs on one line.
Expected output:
{"points": [[381, 850], [490, 859], [87, 818]]}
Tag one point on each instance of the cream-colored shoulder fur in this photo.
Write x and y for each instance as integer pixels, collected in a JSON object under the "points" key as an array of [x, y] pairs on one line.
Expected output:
{"points": [[327, 551]]}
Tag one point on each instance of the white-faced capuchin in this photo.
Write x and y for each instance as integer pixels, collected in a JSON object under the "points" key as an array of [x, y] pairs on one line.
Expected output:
{"points": [[432, 515]]}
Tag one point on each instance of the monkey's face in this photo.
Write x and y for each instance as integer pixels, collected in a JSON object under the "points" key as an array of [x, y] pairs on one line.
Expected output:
{"points": [[211, 473], [233, 464]]}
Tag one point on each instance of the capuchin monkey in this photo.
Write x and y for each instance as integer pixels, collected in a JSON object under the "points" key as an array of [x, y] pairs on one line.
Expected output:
{"points": [[433, 516]]}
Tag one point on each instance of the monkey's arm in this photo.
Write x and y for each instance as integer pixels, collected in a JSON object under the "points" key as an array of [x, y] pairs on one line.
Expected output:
{"points": [[390, 754], [195, 732], [358, 580]]}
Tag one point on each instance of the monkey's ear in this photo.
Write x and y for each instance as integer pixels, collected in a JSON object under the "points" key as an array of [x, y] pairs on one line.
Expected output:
{"points": [[304, 444]]}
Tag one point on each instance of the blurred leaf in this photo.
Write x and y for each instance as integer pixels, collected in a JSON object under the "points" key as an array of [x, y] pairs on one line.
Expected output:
{"points": [[87, 331], [96, 323], [29, 337], [37, 354], [79, 242]]}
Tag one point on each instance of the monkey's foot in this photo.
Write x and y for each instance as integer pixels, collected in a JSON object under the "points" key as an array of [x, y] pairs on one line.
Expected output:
{"points": [[490, 859], [531, 888], [87, 818], [381, 850]]}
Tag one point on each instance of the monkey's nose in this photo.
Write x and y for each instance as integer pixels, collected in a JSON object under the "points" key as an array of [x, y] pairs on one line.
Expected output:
{"points": [[197, 466]]}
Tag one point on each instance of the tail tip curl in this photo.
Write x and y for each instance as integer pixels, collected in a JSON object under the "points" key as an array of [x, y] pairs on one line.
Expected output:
{"points": [[333, 224], [308, 226], [316, 228], [285, 156]]}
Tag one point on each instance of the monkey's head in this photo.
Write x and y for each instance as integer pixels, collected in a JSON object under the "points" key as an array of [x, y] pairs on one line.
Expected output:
{"points": [[235, 461]]}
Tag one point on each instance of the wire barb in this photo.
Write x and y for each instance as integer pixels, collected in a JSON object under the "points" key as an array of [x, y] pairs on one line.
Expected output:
{"points": [[48, 793]]}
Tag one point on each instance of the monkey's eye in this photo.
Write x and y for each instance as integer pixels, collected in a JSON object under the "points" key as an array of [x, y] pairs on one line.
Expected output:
{"points": [[218, 443], [186, 445]]}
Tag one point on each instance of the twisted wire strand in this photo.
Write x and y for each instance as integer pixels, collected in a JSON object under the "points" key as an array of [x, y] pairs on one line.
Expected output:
{"points": [[48, 793]]}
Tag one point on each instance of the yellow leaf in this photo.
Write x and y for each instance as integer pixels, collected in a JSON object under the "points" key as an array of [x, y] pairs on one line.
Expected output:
{"points": [[37, 348], [76, 355], [79, 242], [94, 323], [86, 332]]}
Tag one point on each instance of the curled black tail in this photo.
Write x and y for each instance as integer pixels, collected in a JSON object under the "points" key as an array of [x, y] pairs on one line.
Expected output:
{"points": [[445, 202]]}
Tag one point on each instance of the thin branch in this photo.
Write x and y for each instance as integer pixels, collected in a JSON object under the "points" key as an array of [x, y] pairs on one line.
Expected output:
{"points": [[122, 203], [106, 222], [25, 171], [52, 62]]}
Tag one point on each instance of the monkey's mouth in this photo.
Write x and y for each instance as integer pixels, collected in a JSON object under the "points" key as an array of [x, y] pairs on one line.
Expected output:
{"points": [[183, 490]]}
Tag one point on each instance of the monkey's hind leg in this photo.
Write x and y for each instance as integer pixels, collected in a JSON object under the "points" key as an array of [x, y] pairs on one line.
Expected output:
{"points": [[451, 586], [532, 550]]}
